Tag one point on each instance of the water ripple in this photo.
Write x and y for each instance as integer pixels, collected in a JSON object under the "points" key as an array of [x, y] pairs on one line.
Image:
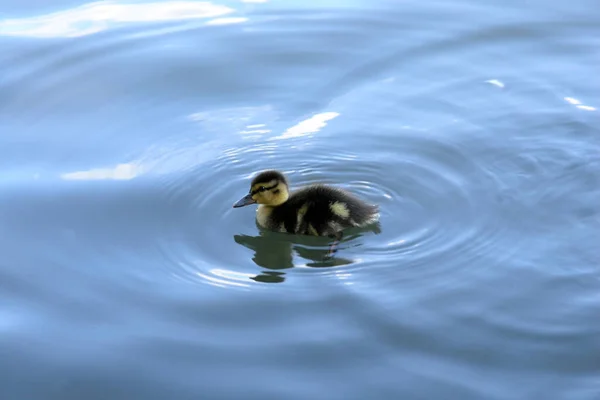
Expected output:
{"points": [[427, 209]]}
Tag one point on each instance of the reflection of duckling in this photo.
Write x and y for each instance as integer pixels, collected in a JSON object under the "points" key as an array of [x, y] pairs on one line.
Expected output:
{"points": [[314, 210]]}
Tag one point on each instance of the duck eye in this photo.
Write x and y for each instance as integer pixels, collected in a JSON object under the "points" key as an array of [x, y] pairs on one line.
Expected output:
{"points": [[262, 188]]}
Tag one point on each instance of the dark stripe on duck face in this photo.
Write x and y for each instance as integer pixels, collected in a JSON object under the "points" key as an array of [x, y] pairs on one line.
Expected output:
{"points": [[262, 189]]}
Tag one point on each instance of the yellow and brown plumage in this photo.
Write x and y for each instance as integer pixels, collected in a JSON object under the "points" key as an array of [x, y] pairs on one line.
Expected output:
{"points": [[318, 210]]}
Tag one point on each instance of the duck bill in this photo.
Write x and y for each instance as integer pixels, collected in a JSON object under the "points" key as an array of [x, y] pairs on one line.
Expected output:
{"points": [[244, 201]]}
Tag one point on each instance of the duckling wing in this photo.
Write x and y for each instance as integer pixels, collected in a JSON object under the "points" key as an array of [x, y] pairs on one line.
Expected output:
{"points": [[324, 210]]}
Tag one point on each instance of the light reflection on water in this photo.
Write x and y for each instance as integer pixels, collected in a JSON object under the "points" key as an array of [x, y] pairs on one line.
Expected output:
{"points": [[99, 16]]}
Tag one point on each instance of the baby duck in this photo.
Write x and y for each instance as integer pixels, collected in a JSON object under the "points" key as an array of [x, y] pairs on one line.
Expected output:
{"points": [[317, 210]]}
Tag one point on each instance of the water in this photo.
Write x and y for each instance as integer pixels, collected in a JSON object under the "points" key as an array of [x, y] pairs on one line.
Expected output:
{"points": [[129, 129]]}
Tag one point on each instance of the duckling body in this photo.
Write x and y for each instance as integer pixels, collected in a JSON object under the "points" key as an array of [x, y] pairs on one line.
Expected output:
{"points": [[317, 210]]}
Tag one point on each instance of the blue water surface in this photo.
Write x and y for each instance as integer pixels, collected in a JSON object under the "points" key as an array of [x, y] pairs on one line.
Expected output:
{"points": [[128, 130]]}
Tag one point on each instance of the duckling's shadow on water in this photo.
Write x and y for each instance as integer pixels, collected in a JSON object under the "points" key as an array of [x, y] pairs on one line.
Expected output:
{"points": [[275, 251]]}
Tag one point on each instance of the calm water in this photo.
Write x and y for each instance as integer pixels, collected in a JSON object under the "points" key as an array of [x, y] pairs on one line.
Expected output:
{"points": [[129, 129]]}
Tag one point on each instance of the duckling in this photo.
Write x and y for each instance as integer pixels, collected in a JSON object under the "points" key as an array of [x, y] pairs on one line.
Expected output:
{"points": [[317, 210]]}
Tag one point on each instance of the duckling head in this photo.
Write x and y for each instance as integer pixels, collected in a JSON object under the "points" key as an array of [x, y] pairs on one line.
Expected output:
{"points": [[269, 188]]}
